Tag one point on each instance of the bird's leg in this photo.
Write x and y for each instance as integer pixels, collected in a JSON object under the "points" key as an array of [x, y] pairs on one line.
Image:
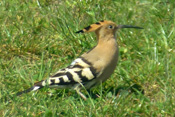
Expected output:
{"points": [[77, 88], [81, 94]]}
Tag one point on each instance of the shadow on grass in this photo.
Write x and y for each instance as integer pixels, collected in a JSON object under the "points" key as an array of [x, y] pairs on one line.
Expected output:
{"points": [[136, 89]]}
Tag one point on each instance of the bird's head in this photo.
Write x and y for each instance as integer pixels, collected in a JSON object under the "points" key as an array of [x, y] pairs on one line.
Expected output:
{"points": [[104, 28]]}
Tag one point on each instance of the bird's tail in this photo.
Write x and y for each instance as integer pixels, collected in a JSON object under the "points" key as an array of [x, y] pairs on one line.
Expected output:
{"points": [[36, 86]]}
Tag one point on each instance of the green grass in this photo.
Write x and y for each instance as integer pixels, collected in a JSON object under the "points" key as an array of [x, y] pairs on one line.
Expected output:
{"points": [[37, 38]]}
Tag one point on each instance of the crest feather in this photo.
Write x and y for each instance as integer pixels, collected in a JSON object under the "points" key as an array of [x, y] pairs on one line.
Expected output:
{"points": [[94, 27]]}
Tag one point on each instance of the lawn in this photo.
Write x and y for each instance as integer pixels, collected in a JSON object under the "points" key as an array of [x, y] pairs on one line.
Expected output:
{"points": [[37, 38]]}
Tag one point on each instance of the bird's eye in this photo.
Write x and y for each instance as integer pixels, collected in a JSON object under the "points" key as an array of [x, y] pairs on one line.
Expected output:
{"points": [[110, 27]]}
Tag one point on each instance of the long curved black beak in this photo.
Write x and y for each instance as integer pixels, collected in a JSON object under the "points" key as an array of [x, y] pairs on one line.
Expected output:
{"points": [[128, 26]]}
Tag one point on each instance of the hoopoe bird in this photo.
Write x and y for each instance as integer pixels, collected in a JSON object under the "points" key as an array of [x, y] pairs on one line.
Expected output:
{"points": [[91, 68]]}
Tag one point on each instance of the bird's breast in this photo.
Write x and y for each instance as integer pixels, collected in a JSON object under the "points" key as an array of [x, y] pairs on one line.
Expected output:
{"points": [[110, 65]]}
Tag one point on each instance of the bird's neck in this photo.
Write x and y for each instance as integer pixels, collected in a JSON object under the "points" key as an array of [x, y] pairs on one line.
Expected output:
{"points": [[107, 46], [107, 50], [108, 39]]}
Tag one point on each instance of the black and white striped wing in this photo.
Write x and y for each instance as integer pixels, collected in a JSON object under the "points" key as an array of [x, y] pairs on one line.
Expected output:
{"points": [[80, 71]]}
